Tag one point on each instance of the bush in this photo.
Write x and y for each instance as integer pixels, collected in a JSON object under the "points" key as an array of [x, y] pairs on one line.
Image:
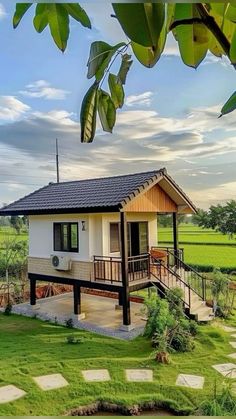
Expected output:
{"points": [[69, 323], [167, 325], [8, 309], [223, 404], [72, 340]]}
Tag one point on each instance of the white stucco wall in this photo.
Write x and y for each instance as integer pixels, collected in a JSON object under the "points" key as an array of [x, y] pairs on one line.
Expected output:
{"points": [[94, 241], [41, 236]]}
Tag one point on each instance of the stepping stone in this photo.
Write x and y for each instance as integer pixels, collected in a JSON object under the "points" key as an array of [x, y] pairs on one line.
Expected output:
{"points": [[233, 336], [232, 355], [96, 375], [51, 382], [139, 375], [192, 381], [233, 344], [228, 328], [10, 393], [227, 370]]}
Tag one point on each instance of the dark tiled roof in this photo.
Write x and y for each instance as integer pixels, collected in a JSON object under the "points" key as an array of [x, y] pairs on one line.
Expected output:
{"points": [[81, 195]]}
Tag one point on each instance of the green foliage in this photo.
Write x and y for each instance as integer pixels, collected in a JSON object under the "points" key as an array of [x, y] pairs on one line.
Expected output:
{"points": [[16, 222], [193, 38], [73, 340], [69, 323], [100, 56], [167, 327], [198, 28], [141, 22], [56, 16], [219, 404], [88, 114], [8, 309], [106, 110], [230, 105]]}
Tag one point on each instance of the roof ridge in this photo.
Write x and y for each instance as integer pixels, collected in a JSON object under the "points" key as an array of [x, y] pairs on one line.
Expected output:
{"points": [[109, 177]]}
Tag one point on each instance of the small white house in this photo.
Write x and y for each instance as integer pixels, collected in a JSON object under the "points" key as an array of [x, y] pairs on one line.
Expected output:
{"points": [[97, 233]]}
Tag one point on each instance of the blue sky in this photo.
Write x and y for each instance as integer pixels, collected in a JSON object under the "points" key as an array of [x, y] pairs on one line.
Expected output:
{"points": [[169, 118]]}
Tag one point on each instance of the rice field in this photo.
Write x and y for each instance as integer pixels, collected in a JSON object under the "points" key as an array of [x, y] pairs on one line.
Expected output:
{"points": [[204, 248]]}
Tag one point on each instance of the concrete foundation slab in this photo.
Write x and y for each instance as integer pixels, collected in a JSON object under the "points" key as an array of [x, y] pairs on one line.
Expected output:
{"points": [[51, 382], [192, 381], [10, 393]]}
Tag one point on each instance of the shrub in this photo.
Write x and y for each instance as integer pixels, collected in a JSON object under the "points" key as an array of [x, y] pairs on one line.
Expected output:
{"points": [[69, 323], [71, 339], [8, 309], [223, 404], [167, 326]]}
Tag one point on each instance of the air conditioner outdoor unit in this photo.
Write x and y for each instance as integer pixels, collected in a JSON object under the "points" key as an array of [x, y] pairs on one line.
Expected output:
{"points": [[61, 263]]}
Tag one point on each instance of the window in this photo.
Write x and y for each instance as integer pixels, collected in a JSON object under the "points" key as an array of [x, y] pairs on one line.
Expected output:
{"points": [[66, 237], [114, 237]]}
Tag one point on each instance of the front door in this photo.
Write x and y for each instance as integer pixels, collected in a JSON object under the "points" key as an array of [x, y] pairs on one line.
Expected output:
{"points": [[137, 238]]}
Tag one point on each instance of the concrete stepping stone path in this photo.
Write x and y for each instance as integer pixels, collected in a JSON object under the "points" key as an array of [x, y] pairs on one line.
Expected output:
{"points": [[192, 381], [10, 393], [233, 344], [50, 382], [139, 375], [232, 355], [229, 329], [227, 370], [96, 375]]}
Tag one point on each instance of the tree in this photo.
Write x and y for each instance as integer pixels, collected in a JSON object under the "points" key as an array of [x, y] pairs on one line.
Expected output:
{"points": [[16, 223], [198, 28], [220, 218]]}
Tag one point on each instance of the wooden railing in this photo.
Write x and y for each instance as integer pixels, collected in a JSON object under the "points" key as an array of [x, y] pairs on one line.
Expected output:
{"points": [[108, 268]]}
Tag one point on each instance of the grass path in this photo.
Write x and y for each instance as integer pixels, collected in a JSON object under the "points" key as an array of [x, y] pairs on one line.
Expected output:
{"points": [[29, 347]]}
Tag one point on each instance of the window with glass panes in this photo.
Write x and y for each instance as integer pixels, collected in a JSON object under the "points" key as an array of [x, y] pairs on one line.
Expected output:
{"points": [[66, 237]]}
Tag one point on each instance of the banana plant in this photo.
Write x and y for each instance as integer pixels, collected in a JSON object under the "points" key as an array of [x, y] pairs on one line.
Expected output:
{"points": [[198, 28]]}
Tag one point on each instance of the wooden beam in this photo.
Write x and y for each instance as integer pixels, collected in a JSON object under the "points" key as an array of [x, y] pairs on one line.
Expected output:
{"points": [[175, 236], [124, 269], [32, 292], [77, 299]]}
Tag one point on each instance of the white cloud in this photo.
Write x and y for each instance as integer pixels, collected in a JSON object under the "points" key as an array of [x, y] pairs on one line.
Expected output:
{"points": [[2, 11], [43, 89], [144, 99], [11, 109]]}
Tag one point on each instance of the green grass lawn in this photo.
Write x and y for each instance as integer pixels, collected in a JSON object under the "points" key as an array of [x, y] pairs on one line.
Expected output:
{"points": [[29, 347], [9, 232]]}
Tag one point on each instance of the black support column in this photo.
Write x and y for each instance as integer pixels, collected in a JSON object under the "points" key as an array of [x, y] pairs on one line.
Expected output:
{"points": [[32, 292], [77, 299], [124, 269], [175, 237]]}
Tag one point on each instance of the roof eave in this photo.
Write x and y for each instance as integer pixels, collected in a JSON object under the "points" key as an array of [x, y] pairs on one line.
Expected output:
{"points": [[48, 211]]}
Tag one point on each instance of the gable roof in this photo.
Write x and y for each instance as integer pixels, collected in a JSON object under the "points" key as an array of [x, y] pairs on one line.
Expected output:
{"points": [[91, 195]]}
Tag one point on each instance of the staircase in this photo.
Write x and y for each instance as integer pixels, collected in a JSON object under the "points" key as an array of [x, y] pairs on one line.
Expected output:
{"points": [[193, 284]]}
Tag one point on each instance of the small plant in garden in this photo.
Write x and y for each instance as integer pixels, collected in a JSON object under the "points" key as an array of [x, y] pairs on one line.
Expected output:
{"points": [[219, 404], [220, 293], [8, 309], [71, 339], [167, 325], [69, 323]]}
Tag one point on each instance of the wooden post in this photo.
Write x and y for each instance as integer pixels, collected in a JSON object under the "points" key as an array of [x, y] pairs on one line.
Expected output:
{"points": [[175, 237], [77, 299], [32, 292], [124, 269]]}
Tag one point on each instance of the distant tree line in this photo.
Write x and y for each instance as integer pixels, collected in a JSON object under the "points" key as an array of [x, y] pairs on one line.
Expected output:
{"points": [[219, 217]]}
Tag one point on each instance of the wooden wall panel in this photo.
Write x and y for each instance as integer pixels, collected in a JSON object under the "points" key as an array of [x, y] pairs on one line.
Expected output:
{"points": [[154, 200]]}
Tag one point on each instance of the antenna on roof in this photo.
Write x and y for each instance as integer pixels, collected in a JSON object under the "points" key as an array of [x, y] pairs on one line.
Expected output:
{"points": [[57, 161]]}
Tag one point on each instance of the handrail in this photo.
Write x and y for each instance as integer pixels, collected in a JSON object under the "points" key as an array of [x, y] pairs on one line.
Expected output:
{"points": [[187, 268], [178, 278]]}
